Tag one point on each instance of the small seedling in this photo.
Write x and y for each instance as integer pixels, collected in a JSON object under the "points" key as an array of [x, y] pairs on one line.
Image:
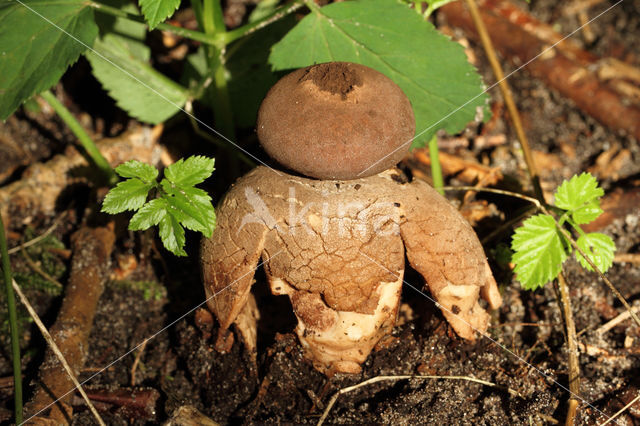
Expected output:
{"points": [[539, 246], [178, 203]]}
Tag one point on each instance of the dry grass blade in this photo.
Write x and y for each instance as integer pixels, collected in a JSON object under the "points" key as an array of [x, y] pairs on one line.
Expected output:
{"points": [[617, 320], [40, 237], [377, 379], [625, 408], [33, 265], [56, 350]]}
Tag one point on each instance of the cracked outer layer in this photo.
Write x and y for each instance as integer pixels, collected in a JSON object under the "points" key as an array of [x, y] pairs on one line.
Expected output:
{"points": [[336, 248]]}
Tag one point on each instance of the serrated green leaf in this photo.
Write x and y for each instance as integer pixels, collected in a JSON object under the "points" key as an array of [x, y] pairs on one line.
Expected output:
{"points": [[127, 195], [538, 251], [189, 172], [202, 201], [172, 234], [138, 88], [132, 33], [156, 11], [599, 247], [587, 213], [33, 52], [191, 206], [149, 215], [577, 191], [444, 89], [136, 169]]}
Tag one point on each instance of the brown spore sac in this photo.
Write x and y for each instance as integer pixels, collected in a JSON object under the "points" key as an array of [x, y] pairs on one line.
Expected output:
{"points": [[336, 120], [336, 78]]}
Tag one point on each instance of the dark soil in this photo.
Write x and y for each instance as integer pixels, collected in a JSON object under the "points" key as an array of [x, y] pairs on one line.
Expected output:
{"points": [[527, 353]]}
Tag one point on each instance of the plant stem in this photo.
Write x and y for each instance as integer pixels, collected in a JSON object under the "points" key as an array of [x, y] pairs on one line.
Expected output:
{"points": [[436, 168], [252, 27], [183, 32], [508, 98], [609, 284], [574, 367], [311, 5], [84, 139], [428, 11], [213, 25], [13, 326]]}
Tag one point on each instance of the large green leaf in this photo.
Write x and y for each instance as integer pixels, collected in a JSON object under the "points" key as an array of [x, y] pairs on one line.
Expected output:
{"points": [[37, 45], [444, 89], [138, 88], [132, 33]]}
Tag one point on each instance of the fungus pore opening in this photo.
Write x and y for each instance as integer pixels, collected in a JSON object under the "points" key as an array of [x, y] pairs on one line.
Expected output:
{"points": [[337, 78]]}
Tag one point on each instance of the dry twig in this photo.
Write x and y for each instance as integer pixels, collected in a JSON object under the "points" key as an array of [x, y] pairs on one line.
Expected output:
{"points": [[56, 350], [92, 248]]}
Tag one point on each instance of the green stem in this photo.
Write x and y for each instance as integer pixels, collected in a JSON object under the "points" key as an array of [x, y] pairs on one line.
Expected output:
{"points": [[213, 19], [84, 139], [429, 11], [417, 6], [196, 5], [213, 25], [13, 326], [233, 35], [311, 5], [183, 32], [436, 169]]}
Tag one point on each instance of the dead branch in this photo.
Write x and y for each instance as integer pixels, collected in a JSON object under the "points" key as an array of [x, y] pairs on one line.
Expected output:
{"points": [[564, 67], [92, 249]]}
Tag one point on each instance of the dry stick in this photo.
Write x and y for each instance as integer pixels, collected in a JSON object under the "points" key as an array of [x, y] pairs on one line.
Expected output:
{"points": [[627, 258], [136, 361], [89, 268], [508, 98], [574, 366], [377, 379], [617, 320], [56, 350], [626, 407]]}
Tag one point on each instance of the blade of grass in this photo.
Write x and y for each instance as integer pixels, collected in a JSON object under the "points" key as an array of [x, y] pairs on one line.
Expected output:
{"points": [[13, 326]]}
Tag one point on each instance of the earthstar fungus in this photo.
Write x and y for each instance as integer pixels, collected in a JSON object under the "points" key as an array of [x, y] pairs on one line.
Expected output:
{"points": [[336, 244]]}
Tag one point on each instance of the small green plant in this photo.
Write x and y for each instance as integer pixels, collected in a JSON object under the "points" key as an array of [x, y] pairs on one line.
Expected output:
{"points": [[540, 248], [177, 202]]}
